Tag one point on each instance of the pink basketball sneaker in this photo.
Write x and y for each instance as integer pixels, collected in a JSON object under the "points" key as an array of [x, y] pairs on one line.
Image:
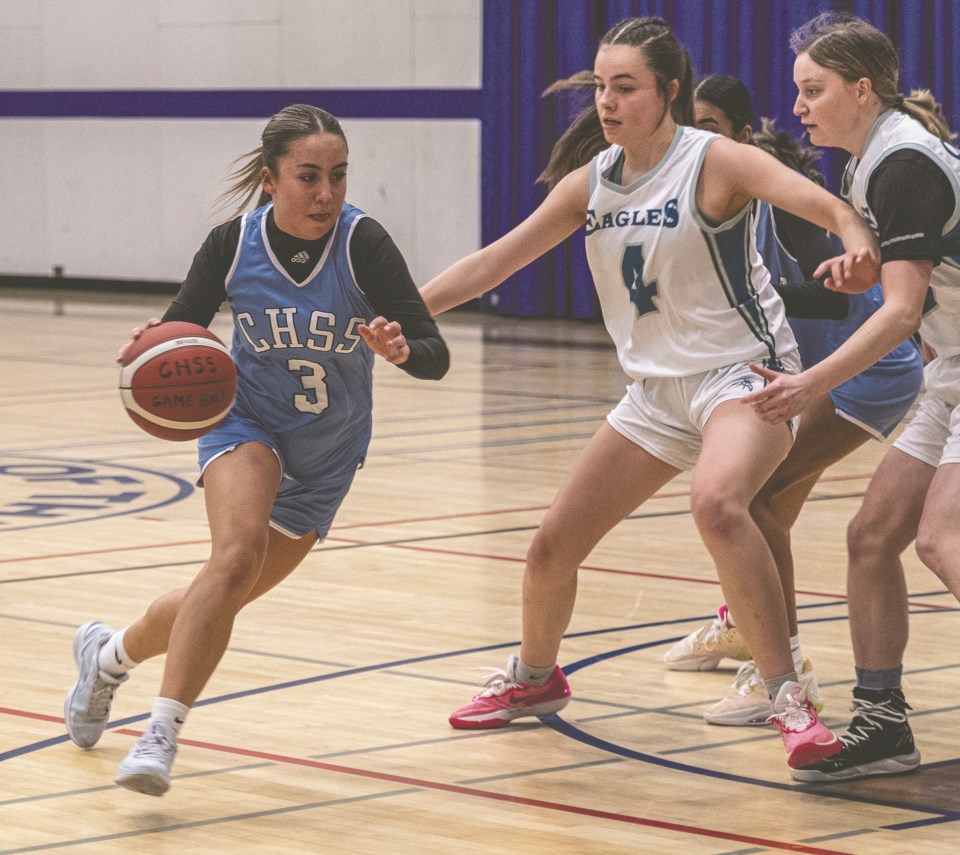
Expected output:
{"points": [[806, 738], [504, 698]]}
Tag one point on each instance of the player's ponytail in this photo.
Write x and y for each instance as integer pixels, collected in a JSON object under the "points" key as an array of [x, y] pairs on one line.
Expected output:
{"points": [[290, 124], [922, 106], [664, 56], [246, 182], [787, 149], [582, 141]]}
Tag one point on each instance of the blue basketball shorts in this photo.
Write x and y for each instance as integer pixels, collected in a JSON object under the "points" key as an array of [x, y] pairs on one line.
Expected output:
{"points": [[316, 475], [879, 398]]}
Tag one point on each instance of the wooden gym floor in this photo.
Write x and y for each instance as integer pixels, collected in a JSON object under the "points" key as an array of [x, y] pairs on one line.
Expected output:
{"points": [[325, 730]]}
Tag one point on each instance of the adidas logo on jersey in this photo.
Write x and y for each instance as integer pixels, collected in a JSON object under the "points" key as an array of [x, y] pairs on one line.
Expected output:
{"points": [[301, 257]]}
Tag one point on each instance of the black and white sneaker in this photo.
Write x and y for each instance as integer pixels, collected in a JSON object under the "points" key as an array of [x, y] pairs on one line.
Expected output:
{"points": [[878, 742]]}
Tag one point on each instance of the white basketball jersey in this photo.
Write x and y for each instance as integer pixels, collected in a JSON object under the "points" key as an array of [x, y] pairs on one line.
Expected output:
{"points": [[679, 296], [895, 131]]}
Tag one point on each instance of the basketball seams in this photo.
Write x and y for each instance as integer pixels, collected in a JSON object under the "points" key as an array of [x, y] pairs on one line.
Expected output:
{"points": [[181, 427], [178, 381]]}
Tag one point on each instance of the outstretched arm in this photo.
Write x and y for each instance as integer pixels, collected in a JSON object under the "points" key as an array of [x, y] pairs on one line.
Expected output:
{"points": [[733, 174], [559, 215]]}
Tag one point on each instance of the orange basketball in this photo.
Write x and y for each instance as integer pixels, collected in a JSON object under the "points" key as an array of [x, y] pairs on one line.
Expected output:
{"points": [[177, 381]]}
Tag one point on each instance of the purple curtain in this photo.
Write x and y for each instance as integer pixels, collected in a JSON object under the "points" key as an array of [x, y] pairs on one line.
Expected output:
{"points": [[527, 44]]}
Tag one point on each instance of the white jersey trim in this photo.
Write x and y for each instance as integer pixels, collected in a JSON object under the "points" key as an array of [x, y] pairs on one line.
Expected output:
{"points": [[698, 216], [276, 263], [921, 149], [647, 177], [236, 254], [353, 275]]}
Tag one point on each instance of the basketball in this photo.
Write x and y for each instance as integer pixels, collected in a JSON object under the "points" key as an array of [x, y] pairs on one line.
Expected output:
{"points": [[177, 381]]}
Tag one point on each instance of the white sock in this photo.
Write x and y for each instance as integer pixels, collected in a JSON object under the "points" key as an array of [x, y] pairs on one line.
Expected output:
{"points": [[113, 657], [795, 650], [170, 712]]}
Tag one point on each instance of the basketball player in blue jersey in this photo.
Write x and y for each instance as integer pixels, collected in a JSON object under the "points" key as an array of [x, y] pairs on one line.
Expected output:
{"points": [[904, 177], [689, 305], [315, 289], [869, 405]]}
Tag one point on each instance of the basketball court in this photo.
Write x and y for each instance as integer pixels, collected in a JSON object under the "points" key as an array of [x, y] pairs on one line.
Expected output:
{"points": [[325, 728]]}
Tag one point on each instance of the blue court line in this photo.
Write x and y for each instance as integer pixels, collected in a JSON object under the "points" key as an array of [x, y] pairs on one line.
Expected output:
{"points": [[349, 672], [573, 732], [237, 103], [559, 724], [324, 548]]}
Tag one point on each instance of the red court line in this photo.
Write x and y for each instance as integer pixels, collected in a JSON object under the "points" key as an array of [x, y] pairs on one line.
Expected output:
{"points": [[644, 574], [459, 553], [33, 715], [503, 797], [381, 524]]}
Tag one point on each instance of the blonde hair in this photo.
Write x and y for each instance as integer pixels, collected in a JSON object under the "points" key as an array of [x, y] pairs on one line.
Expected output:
{"points": [[854, 49]]}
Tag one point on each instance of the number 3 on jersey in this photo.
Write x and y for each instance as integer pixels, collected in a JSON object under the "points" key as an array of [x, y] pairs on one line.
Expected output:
{"points": [[641, 293], [312, 376]]}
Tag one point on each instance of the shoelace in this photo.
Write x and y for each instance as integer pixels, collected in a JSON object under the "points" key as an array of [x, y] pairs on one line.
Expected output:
{"points": [[496, 682], [711, 635], [872, 714], [748, 679], [153, 745], [796, 717], [101, 697]]}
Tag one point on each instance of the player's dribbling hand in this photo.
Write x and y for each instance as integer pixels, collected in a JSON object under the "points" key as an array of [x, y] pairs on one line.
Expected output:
{"points": [[134, 335], [386, 339]]}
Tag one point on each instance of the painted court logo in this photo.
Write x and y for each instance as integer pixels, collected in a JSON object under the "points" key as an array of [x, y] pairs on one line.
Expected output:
{"points": [[38, 492]]}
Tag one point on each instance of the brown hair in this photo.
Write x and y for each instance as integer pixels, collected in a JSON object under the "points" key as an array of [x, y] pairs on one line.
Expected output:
{"points": [[665, 57], [787, 149], [290, 124], [854, 49], [729, 95]]}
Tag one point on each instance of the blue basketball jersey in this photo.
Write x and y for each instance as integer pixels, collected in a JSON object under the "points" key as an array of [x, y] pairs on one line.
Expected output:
{"points": [[880, 396], [303, 368]]}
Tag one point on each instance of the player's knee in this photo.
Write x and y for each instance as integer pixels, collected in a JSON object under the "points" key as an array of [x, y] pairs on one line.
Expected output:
{"points": [[235, 569], [546, 557], [718, 514], [869, 536], [936, 552]]}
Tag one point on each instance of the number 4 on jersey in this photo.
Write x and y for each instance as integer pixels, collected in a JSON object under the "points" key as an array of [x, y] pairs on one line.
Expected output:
{"points": [[641, 293]]}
